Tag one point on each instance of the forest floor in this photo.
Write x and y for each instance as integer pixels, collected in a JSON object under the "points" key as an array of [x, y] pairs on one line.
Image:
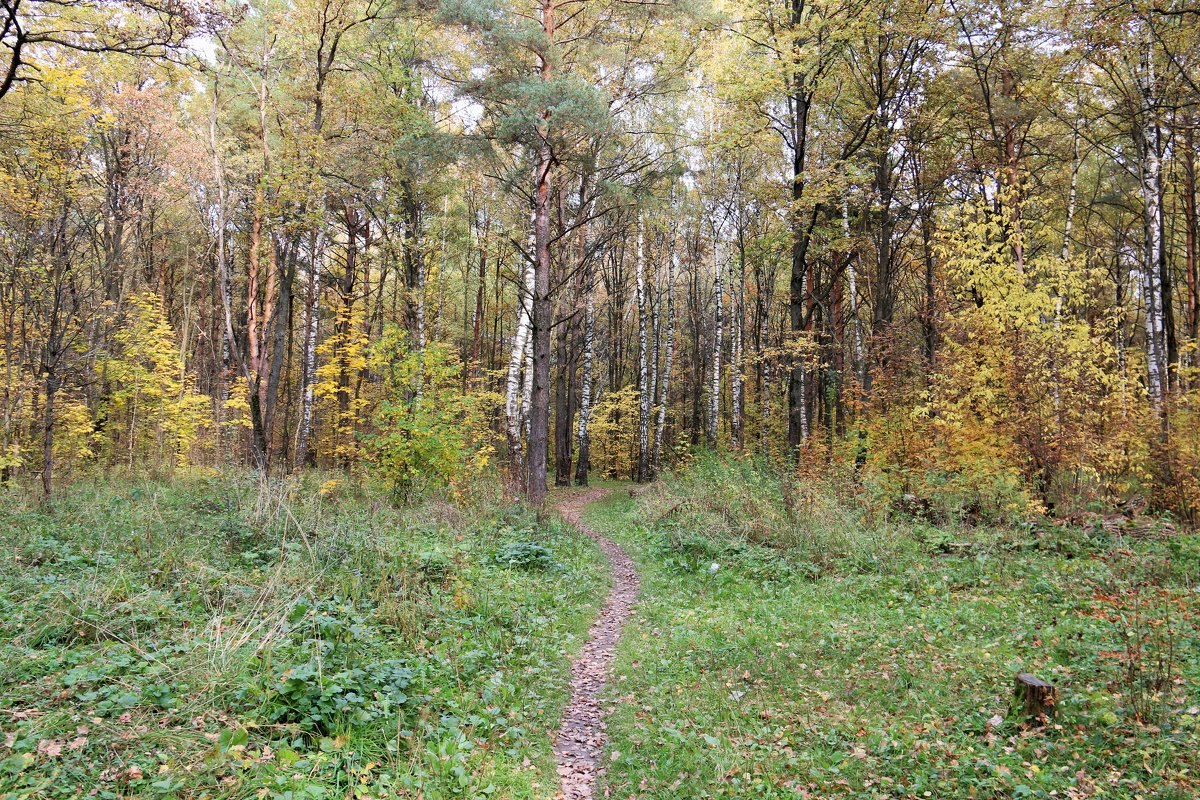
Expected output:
{"points": [[212, 637], [846, 660]]}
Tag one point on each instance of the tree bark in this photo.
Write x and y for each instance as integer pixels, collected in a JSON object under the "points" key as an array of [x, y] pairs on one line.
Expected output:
{"points": [[642, 468], [514, 406], [583, 463], [539, 410], [736, 323], [1150, 173], [714, 397], [1190, 255], [800, 103], [308, 366], [664, 386]]}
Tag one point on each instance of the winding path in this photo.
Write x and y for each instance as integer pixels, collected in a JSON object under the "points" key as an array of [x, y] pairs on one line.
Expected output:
{"points": [[579, 743]]}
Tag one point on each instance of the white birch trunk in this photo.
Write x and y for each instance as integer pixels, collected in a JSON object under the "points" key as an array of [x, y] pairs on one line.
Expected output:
{"points": [[643, 359], [585, 388], [527, 353], [737, 381], [856, 324], [419, 378], [309, 367], [222, 266], [714, 400], [1072, 197], [654, 301], [664, 385], [514, 397], [1150, 170]]}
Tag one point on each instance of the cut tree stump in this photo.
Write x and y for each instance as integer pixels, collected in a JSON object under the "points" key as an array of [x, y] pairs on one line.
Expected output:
{"points": [[1036, 698]]}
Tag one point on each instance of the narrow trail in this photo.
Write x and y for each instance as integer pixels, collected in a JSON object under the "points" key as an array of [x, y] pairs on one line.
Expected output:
{"points": [[579, 742]]}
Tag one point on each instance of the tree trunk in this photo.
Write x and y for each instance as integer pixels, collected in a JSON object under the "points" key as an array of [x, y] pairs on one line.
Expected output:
{"points": [[1150, 172], [308, 366], [642, 469], [52, 387], [714, 398], [539, 410], [801, 233], [664, 386], [583, 464], [564, 380], [417, 291], [736, 323], [513, 398], [1190, 255]]}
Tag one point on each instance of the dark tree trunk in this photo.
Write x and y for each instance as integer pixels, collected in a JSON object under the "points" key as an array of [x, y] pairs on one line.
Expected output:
{"points": [[801, 235]]}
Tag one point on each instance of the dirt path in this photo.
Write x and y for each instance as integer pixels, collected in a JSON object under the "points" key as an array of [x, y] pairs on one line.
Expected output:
{"points": [[579, 743]]}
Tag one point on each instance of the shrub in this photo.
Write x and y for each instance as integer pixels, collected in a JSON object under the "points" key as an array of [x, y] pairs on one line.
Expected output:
{"points": [[427, 427], [332, 669], [525, 555]]}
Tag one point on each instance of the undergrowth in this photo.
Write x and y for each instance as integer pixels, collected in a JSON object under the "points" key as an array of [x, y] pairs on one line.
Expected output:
{"points": [[222, 637], [791, 643]]}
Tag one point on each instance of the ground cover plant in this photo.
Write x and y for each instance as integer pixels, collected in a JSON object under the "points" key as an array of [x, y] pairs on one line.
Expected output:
{"points": [[218, 637], [807, 654]]}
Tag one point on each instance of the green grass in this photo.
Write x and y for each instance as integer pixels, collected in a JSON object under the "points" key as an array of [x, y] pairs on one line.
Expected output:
{"points": [[783, 655], [213, 637]]}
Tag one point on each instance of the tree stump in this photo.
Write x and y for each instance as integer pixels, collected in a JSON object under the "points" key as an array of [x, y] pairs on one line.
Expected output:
{"points": [[1035, 698]]}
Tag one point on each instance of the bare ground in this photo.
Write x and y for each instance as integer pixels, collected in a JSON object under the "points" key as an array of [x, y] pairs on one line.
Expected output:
{"points": [[579, 743]]}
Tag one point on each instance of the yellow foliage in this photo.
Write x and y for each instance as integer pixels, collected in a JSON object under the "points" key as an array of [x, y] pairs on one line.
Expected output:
{"points": [[1027, 395], [343, 355], [612, 432], [152, 408]]}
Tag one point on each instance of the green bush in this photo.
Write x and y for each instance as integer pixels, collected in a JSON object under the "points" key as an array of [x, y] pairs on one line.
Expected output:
{"points": [[435, 435], [525, 555]]}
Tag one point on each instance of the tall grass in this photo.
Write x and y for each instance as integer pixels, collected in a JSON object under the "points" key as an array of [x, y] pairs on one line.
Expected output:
{"points": [[730, 500], [306, 612]]}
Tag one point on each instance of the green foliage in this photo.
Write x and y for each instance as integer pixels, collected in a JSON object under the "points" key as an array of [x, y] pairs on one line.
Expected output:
{"points": [[896, 682], [732, 504], [525, 554], [428, 428], [224, 637], [339, 676]]}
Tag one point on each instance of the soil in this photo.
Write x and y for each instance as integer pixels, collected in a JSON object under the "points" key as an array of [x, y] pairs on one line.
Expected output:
{"points": [[579, 743]]}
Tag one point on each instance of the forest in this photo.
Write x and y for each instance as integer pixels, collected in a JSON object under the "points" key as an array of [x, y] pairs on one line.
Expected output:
{"points": [[953, 247], [624, 398]]}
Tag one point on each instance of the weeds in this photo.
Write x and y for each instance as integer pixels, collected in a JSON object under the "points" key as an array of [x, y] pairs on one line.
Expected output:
{"points": [[230, 637], [832, 652]]}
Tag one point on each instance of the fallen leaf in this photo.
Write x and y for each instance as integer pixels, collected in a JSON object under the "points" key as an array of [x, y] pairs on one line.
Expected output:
{"points": [[50, 747]]}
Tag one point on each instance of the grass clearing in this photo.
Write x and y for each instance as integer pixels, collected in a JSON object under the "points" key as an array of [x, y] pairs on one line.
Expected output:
{"points": [[216, 637], [879, 663]]}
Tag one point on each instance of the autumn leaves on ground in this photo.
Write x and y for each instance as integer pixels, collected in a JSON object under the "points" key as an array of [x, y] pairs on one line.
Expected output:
{"points": [[214, 636]]}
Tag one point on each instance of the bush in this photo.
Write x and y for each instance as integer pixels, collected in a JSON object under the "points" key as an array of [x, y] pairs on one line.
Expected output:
{"points": [[746, 502], [525, 555], [436, 434], [333, 669]]}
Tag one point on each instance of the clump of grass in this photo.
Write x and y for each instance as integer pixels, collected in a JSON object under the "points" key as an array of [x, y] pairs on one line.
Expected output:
{"points": [[731, 506]]}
